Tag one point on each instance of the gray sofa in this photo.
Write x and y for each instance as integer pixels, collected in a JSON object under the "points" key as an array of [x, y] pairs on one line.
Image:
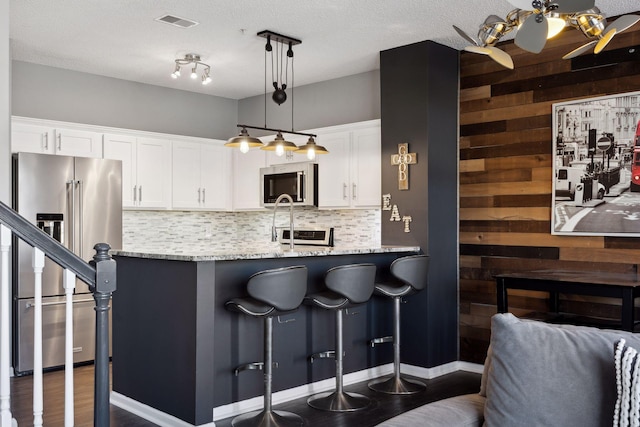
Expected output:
{"points": [[535, 374]]}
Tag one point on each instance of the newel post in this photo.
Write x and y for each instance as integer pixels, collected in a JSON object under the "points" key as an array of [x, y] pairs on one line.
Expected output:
{"points": [[105, 285]]}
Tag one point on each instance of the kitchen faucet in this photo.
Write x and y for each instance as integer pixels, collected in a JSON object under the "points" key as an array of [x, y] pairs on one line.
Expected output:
{"points": [[274, 232]]}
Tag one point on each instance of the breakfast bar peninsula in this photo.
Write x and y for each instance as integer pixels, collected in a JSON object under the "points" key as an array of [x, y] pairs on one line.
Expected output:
{"points": [[175, 346]]}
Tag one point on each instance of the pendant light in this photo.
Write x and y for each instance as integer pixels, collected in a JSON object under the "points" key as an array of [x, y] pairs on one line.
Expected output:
{"points": [[311, 149], [279, 67], [243, 141]]}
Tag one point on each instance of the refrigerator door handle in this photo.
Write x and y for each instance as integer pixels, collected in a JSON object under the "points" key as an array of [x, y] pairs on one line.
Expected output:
{"points": [[81, 221], [72, 216], [45, 304]]}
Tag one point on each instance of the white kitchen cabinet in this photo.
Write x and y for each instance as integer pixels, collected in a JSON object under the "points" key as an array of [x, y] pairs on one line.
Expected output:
{"points": [[146, 163], [349, 176], [33, 138], [200, 178], [246, 178]]}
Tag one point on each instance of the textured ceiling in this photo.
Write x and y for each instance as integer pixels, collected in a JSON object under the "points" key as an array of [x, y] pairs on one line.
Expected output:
{"points": [[121, 39]]}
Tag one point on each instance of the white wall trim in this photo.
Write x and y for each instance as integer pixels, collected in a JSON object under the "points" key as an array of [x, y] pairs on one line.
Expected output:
{"points": [[255, 403], [150, 414]]}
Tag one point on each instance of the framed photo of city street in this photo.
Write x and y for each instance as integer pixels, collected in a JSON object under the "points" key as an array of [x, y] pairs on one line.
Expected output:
{"points": [[596, 166]]}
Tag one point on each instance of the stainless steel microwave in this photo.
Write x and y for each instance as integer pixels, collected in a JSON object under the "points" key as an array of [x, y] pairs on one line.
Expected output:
{"points": [[298, 180]]}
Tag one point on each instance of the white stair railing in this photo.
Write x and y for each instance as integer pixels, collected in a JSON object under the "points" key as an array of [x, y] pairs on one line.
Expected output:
{"points": [[99, 274], [6, 418]]}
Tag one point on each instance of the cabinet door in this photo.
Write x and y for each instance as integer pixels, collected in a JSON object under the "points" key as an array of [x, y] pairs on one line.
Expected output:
{"points": [[215, 179], [123, 148], [185, 176], [31, 139], [153, 173], [246, 178], [365, 167], [334, 184], [71, 142]]}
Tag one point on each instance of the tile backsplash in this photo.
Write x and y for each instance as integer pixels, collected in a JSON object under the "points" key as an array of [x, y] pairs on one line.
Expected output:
{"points": [[201, 231]]}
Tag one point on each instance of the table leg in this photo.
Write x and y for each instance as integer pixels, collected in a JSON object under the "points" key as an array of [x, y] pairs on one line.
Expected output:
{"points": [[627, 309], [501, 288]]}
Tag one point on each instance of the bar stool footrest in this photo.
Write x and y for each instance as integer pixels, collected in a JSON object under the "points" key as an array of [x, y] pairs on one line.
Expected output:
{"points": [[256, 366], [268, 419], [381, 340], [330, 354], [395, 385], [339, 401]]}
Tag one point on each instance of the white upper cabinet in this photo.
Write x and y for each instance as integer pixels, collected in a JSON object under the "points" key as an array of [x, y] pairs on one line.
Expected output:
{"points": [[349, 176], [146, 166], [246, 178], [200, 175], [49, 139]]}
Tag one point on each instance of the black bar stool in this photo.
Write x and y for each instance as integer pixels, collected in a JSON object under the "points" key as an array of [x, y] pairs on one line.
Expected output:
{"points": [[347, 285], [271, 293], [411, 274]]}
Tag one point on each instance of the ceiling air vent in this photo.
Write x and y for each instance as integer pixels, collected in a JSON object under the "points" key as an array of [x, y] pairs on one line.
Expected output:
{"points": [[177, 21]]}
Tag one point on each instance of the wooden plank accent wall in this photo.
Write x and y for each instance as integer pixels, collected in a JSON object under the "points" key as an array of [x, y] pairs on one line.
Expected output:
{"points": [[506, 180]]}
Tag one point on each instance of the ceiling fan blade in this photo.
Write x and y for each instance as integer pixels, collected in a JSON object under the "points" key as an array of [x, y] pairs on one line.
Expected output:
{"points": [[465, 36], [579, 51], [623, 23], [501, 57], [522, 4], [604, 41], [478, 49], [571, 6], [532, 35]]}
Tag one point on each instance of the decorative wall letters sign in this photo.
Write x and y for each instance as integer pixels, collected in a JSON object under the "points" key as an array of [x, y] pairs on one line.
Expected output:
{"points": [[403, 159], [395, 215], [406, 219], [386, 202]]}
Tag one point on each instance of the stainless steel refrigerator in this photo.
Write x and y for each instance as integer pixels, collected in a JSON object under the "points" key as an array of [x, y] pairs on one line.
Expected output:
{"points": [[78, 201]]}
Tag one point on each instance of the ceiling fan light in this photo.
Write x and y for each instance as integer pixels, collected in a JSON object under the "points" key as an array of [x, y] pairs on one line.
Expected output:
{"points": [[492, 30], [556, 25]]}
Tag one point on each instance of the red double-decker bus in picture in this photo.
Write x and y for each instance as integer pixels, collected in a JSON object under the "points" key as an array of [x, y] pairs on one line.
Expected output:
{"points": [[635, 164]]}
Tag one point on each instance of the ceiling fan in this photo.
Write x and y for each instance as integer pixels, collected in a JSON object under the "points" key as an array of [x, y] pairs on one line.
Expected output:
{"points": [[538, 20]]}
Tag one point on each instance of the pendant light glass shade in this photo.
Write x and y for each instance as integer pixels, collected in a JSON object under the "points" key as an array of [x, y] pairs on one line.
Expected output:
{"points": [[311, 149], [279, 145], [243, 141]]}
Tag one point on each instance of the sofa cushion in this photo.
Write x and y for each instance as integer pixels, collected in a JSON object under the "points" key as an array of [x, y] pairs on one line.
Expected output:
{"points": [[458, 411], [551, 375], [627, 365]]}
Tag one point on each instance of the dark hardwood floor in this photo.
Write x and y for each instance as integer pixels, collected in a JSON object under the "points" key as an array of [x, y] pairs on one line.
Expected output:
{"points": [[382, 407]]}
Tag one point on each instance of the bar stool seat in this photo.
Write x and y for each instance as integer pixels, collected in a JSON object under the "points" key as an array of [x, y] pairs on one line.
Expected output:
{"points": [[410, 274], [347, 286], [271, 293]]}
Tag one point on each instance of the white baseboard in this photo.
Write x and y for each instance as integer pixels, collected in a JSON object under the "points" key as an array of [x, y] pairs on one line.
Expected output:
{"points": [[255, 403], [150, 414]]}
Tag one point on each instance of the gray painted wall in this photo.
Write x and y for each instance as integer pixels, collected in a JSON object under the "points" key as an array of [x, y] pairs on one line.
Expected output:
{"points": [[5, 103], [348, 99], [56, 94]]}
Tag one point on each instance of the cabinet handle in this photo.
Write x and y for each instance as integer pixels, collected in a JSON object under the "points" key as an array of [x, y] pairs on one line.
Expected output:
{"points": [[344, 190], [59, 142], [140, 194], [135, 193], [199, 191], [46, 140], [203, 195], [353, 191]]}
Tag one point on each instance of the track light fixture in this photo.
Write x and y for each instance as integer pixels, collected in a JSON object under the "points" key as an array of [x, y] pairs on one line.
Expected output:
{"points": [[192, 58], [538, 20], [280, 145]]}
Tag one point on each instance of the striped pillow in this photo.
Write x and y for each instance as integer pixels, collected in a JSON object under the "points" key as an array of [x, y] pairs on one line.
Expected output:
{"points": [[627, 364]]}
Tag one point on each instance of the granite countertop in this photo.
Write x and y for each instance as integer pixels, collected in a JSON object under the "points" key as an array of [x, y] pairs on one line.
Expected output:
{"points": [[279, 251]]}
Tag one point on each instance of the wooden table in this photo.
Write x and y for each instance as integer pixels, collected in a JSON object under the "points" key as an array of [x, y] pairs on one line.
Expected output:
{"points": [[612, 285]]}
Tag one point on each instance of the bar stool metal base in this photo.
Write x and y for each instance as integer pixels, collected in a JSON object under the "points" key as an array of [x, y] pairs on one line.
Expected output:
{"points": [[339, 401], [397, 385], [268, 419]]}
